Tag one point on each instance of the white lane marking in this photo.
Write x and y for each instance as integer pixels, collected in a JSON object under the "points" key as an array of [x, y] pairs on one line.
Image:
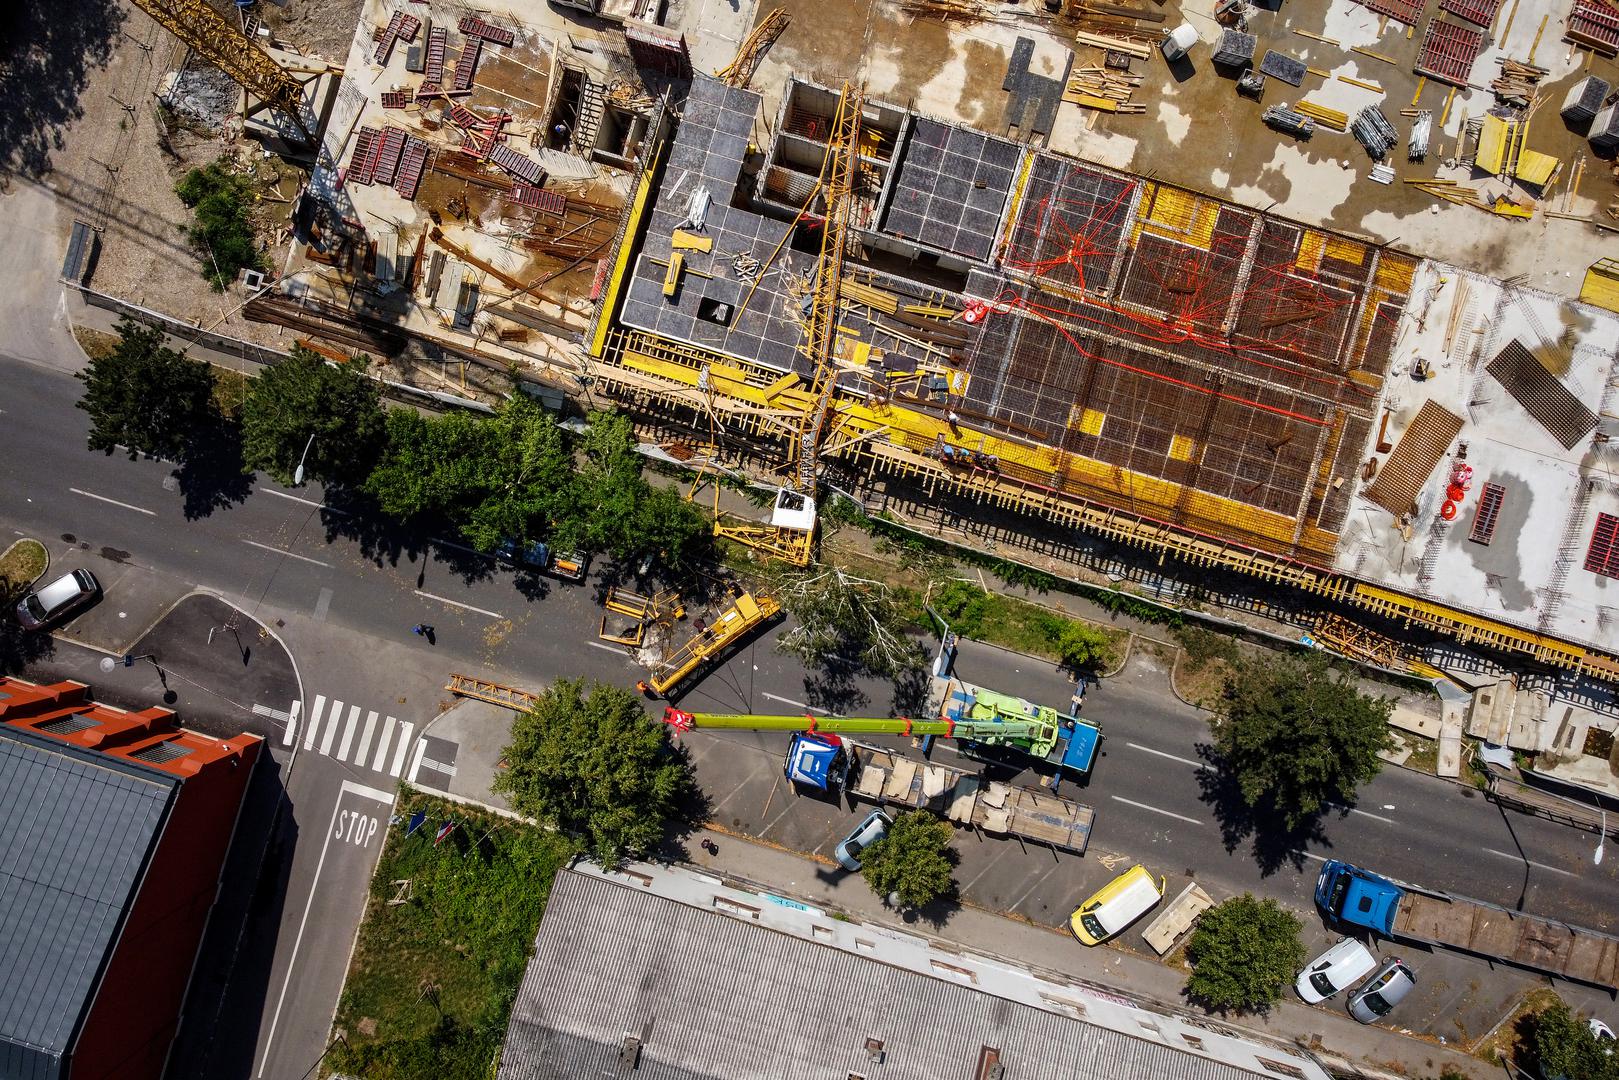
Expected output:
{"points": [[314, 721], [323, 603], [1199, 765], [334, 720], [403, 747], [294, 498], [348, 733], [1154, 809], [1531, 862], [789, 701], [416, 759], [292, 961], [1308, 855], [382, 745], [115, 502], [291, 735], [1374, 817], [274, 714], [614, 649], [459, 604], [288, 554], [365, 738]]}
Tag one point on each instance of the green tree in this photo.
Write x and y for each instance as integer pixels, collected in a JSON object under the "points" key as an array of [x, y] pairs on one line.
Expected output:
{"points": [[596, 767], [618, 511], [914, 859], [220, 229], [1562, 1047], [308, 397], [1081, 647], [840, 619], [1296, 733], [504, 477], [1243, 953], [146, 397]]}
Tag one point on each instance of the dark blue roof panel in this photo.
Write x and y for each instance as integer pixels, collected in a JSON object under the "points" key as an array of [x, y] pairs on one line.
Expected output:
{"points": [[76, 830]]}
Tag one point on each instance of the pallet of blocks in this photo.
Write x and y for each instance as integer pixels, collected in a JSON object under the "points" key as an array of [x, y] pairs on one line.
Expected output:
{"points": [[1099, 88]]}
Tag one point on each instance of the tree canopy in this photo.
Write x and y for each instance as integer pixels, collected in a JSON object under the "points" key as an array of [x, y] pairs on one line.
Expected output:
{"points": [[1564, 1048], [914, 859], [220, 230], [307, 396], [620, 512], [1296, 733], [144, 396], [1244, 953], [592, 763], [844, 619], [505, 477]]}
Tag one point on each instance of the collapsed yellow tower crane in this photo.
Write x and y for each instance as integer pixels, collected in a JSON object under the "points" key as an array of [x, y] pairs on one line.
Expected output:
{"points": [[791, 532], [216, 40], [739, 72]]}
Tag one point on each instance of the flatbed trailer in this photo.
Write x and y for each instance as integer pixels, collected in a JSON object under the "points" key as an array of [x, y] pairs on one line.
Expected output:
{"points": [[1000, 809], [1429, 917]]}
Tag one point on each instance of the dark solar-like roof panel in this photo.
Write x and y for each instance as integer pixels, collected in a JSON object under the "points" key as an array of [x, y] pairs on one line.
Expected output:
{"points": [[950, 188]]}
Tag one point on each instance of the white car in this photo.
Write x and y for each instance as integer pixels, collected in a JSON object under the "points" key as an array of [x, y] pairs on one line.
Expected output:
{"points": [[61, 597], [1340, 967], [867, 833]]}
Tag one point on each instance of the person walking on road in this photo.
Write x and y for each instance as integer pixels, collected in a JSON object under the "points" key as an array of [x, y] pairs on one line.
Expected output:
{"points": [[424, 630]]}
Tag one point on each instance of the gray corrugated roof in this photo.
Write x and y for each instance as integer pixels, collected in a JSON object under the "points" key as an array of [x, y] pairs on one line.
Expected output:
{"points": [[76, 829], [726, 998]]}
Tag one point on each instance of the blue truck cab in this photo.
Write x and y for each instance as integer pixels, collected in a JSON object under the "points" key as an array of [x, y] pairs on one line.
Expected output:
{"points": [[1348, 894], [816, 761]]}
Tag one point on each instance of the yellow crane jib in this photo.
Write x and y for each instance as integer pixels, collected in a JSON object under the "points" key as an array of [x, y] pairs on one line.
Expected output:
{"points": [[739, 72], [859, 725], [737, 621], [214, 38]]}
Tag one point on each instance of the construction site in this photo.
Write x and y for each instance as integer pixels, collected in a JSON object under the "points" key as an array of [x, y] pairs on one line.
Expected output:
{"points": [[1021, 276]]}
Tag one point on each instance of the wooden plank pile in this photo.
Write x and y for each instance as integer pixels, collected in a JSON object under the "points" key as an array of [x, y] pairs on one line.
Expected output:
{"points": [[1517, 83], [1099, 88], [1132, 45], [1330, 118]]}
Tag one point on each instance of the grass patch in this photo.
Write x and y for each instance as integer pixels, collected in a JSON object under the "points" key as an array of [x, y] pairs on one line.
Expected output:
{"points": [[433, 979], [221, 231], [1424, 753], [1507, 1036], [1027, 628], [21, 564], [1201, 684], [96, 345]]}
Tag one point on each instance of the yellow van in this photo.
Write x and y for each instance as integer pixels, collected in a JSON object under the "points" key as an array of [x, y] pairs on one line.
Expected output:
{"points": [[1116, 905]]}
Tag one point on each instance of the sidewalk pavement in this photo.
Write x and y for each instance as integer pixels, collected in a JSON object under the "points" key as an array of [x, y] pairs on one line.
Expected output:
{"points": [[1330, 1033]]}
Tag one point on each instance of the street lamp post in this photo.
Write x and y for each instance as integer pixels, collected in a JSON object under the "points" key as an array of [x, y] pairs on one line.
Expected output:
{"points": [[298, 473]]}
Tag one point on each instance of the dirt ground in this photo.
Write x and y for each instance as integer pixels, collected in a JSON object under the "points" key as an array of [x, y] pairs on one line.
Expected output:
{"points": [[320, 28]]}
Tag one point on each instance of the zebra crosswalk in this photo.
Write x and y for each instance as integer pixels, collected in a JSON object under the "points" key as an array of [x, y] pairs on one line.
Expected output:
{"points": [[354, 734]]}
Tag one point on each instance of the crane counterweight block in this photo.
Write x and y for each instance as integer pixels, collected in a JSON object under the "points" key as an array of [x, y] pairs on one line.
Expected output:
{"points": [[680, 721]]}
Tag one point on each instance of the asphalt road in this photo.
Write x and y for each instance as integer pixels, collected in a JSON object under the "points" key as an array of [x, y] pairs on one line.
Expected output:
{"points": [[343, 600]]}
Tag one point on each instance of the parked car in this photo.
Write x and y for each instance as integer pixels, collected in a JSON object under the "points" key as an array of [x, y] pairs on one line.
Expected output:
{"points": [[867, 833], [1603, 1032], [56, 601], [1377, 996], [1339, 968], [1116, 905]]}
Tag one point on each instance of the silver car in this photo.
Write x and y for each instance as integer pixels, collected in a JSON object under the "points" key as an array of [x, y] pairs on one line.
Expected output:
{"points": [[867, 833], [62, 597], [1376, 997]]}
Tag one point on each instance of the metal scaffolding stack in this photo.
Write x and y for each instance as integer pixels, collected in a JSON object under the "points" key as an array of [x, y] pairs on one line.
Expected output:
{"points": [[1374, 132]]}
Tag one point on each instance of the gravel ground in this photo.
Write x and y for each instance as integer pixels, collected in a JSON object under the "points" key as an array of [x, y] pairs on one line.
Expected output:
{"points": [[321, 28], [117, 168]]}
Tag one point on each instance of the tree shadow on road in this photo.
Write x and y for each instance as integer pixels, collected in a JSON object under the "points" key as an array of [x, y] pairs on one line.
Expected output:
{"points": [[833, 688], [210, 473], [47, 51], [1274, 847], [20, 648]]}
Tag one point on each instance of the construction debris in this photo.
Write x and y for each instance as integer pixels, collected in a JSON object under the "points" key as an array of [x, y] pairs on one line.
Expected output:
{"points": [[1373, 131], [1294, 123], [1517, 82], [1099, 88]]}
